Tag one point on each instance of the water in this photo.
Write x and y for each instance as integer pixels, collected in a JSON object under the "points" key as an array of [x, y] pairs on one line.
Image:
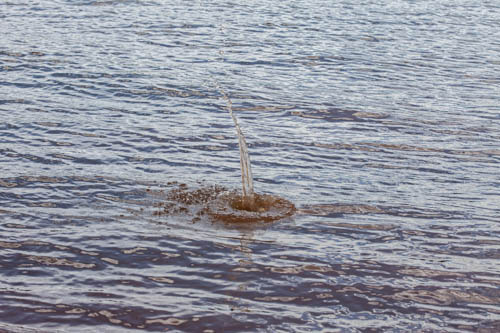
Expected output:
{"points": [[247, 195], [378, 120]]}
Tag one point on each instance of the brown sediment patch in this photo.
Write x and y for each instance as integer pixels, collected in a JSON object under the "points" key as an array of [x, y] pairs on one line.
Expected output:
{"points": [[329, 209], [283, 299], [161, 279], [63, 156], [264, 108], [45, 310], [166, 321], [7, 184], [43, 204], [10, 245], [51, 261], [138, 250], [110, 260], [294, 270], [76, 311], [246, 270], [170, 255], [12, 225], [44, 179], [336, 115]]}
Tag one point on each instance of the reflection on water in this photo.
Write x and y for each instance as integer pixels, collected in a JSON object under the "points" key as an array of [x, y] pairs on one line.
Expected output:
{"points": [[373, 128]]}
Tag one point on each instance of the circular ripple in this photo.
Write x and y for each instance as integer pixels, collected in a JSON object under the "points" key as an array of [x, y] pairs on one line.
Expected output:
{"points": [[228, 208]]}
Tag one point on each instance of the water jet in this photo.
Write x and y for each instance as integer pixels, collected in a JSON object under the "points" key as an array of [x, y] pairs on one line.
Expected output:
{"points": [[247, 198]]}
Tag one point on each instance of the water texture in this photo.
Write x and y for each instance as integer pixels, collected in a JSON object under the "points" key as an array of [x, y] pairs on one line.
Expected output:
{"points": [[379, 120]]}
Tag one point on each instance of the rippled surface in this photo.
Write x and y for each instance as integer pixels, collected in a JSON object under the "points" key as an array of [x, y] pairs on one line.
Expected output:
{"points": [[379, 120]]}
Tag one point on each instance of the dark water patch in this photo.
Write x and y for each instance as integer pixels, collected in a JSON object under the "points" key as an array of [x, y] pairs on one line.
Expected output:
{"points": [[340, 209], [262, 108], [15, 101], [335, 115]]}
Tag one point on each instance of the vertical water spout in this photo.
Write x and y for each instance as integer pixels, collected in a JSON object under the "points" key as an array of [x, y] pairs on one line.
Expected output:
{"points": [[246, 169]]}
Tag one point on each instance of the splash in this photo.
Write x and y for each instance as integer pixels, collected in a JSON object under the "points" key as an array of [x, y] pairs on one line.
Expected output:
{"points": [[219, 204], [222, 205], [228, 208]]}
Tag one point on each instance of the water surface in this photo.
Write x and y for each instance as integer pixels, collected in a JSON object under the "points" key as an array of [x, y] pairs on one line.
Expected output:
{"points": [[379, 120]]}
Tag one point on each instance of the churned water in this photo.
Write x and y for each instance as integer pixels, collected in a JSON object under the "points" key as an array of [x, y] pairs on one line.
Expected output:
{"points": [[378, 120]]}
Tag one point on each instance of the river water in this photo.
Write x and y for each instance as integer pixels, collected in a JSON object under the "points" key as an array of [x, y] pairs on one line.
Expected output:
{"points": [[379, 120]]}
